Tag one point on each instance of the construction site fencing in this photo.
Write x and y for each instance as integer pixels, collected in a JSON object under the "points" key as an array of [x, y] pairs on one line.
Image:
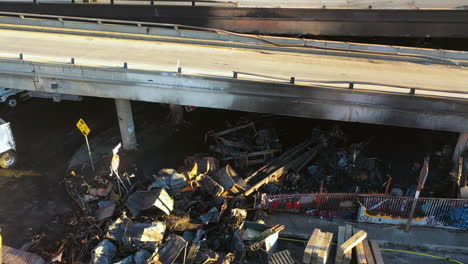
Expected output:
{"points": [[375, 208], [431, 212], [315, 204]]}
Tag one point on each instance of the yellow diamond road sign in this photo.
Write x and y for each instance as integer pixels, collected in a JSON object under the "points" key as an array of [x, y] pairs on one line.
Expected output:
{"points": [[83, 127]]}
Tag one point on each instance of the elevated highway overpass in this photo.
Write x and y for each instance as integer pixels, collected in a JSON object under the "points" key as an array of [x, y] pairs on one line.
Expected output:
{"points": [[174, 64], [356, 4], [351, 18]]}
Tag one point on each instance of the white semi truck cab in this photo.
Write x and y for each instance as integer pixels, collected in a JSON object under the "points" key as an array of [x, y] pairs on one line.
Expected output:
{"points": [[10, 96], [8, 156]]}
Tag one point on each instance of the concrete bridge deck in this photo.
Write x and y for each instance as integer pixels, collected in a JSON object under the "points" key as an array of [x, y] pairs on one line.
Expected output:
{"points": [[443, 22], [379, 4], [392, 85]]}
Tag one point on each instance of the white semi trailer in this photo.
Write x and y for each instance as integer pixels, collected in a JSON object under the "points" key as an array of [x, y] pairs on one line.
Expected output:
{"points": [[11, 97]]}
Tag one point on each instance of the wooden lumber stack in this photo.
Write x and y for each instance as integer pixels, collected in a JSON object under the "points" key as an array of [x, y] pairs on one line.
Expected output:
{"points": [[348, 245], [318, 247], [360, 253], [367, 251], [376, 254], [344, 233]]}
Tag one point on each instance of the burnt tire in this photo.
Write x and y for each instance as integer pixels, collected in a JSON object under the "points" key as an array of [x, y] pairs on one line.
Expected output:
{"points": [[8, 159]]}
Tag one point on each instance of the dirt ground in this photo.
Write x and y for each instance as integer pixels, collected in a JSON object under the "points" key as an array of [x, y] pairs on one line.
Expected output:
{"points": [[33, 198]]}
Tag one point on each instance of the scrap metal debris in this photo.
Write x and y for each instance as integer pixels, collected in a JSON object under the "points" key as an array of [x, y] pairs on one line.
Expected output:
{"points": [[103, 253], [205, 211], [144, 200], [245, 146], [170, 251]]}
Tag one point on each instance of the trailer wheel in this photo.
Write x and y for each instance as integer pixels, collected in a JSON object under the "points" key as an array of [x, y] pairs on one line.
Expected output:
{"points": [[8, 159], [12, 101]]}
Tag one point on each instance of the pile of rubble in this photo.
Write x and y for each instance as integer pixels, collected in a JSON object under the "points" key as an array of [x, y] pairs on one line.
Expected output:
{"points": [[244, 146], [197, 214], [203, 212], [207, 211]]}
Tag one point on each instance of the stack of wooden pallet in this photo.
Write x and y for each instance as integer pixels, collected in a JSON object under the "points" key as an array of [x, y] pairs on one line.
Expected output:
{"points": [[367, 252], [318, 247]]}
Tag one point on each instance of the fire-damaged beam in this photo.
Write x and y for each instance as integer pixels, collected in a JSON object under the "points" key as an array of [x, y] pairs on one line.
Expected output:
{"points": [[441, 23], [313, 101]]}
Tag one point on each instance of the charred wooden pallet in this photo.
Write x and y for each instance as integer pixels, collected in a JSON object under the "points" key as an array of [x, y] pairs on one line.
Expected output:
{"points": [[282, 257], [15, 256]]}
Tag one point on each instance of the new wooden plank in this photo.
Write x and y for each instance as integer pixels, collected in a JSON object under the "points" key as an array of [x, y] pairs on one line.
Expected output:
{"points": [[360, 253], [353, 241], [376, 252], [348, 233], [341, 236], [317, 247], [310, 246], [368, 251], [324, 249], [340, 240], [341, 257]]}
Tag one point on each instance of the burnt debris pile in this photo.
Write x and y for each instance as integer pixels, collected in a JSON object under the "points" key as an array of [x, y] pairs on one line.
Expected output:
{"points": [[208, 210]]}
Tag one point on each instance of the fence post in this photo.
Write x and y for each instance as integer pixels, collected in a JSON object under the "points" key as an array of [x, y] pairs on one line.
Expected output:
{"points": [[421, 180]]}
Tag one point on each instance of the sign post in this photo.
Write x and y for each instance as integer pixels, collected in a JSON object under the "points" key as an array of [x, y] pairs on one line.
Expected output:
{"points": [[115, 167], [421, 180], [83, 127]]}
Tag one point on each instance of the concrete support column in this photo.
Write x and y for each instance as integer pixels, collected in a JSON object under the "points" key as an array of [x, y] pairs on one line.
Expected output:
{"points": [[177, 114], [127, 127], [461, 146]]}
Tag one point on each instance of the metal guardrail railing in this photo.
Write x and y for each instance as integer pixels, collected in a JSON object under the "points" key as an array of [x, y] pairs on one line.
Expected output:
{"points": [[399, 53], [430, 212], [395, 89], [150, 2]]}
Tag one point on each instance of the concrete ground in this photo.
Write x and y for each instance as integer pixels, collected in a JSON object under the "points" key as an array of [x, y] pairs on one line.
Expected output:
{"points": [[33, 199]]}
